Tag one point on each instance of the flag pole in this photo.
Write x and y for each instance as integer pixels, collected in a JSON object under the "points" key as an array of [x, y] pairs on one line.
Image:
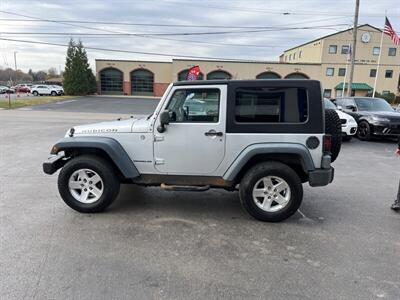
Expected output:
{"points": [[345, 73], [379, 59]]}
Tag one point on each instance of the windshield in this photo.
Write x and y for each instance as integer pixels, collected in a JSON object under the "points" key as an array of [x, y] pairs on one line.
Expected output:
{"points": [[329, 104], [372, 104]]}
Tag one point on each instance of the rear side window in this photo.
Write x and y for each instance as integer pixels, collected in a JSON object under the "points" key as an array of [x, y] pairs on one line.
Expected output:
{"points": [[271, 105]]}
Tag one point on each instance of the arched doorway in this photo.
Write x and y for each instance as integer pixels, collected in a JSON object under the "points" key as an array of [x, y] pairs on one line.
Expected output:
{"points": [[142, 82], [111, 81], [215, 75], [183, 74], [268, 75], [296, 75]]}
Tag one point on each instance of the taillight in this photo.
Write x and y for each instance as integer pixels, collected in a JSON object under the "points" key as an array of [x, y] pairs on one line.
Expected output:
{"points": [[327, 143]]}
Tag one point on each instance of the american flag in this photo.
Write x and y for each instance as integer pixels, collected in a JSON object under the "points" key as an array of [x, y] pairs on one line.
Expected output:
{"points": [[391, 33]]}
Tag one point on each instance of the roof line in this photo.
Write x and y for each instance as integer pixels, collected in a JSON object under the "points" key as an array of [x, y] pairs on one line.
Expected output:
{"points": [[329, 35]]}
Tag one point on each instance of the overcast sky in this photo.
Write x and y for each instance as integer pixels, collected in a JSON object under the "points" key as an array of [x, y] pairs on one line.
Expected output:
{"points": [[329, 16]]}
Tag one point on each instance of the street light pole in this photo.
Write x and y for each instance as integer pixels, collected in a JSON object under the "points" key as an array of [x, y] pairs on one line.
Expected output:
{"points": [[353, 53], [15, 60]]}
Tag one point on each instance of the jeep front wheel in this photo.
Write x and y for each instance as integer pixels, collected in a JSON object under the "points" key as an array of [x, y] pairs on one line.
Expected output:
{"points": [[271, 192], [88, 184]]}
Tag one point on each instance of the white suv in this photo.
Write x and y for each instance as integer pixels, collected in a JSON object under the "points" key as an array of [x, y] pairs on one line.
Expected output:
{"points": [[43, 89], [349, 124]]}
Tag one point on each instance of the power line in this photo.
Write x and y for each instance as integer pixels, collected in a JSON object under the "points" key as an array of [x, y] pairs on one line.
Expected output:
{"points": [[186, 56]]}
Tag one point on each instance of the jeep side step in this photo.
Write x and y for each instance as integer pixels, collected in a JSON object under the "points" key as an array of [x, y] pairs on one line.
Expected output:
{"points": [[185, 188]]}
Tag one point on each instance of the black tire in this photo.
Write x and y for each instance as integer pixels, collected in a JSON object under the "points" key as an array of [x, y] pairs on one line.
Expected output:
{"points": [[261, 170], [53, 93], [35, 93], [333, 126], [364, 131], [103, 168]]}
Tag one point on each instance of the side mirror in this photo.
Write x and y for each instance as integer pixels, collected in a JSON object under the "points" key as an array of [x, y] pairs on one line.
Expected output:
{"points": [[164, 120]]}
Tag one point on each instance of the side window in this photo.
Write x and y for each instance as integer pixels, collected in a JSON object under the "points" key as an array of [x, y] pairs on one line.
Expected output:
{"points": [[271, 105], [194, 105]]}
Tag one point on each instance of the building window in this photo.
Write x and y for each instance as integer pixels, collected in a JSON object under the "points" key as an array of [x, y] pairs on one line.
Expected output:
{"points": [[294, 56], [111, 81], [375, 51], [330, 71], [339, 93], [385, 92], [327, 93], [345, 49], [342, 72], [300, 53], [142, 82], [389, 74], [392, 52], [372, 73], [285, 57], [215, 75], [332, 49], [290, 57], [268, 75], [270, 105]]}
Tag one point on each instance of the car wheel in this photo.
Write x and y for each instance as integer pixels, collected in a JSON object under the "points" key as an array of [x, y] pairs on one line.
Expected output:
{"points": [[271, 192], [35, 93], [333, 126], [88, 184], [53, 93], [364, 131]]}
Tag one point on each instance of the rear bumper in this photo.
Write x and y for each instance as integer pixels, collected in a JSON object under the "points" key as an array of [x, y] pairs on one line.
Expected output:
{"points": [[53, 163], [321, 177]]}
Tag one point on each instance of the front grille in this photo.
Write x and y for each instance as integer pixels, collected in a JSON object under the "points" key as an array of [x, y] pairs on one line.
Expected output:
{"points": [[343, 121]]}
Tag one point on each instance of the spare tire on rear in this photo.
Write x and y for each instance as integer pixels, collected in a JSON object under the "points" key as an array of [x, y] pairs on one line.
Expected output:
{"points": [[333, 126]]}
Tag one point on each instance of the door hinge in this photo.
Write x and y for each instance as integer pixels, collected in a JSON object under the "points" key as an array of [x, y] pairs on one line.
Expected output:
{"points": [[159, 161], [158, 138]]}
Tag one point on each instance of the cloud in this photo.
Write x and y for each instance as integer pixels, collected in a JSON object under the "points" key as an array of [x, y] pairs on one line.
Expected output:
{"points": [[207, 12]]}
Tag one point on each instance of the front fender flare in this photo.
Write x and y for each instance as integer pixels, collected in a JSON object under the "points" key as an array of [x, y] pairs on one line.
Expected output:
{"points": [[110, 146]]}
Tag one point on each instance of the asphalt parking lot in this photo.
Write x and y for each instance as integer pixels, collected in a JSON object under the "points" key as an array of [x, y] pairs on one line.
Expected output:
{"points": [[153, 244]]}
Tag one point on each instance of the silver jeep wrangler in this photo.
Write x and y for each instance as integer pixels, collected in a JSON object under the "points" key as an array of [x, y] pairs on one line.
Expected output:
{"points": [[262, 137]]}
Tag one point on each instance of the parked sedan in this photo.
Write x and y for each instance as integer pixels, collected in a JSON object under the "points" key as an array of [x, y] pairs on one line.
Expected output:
{"points": [[22, 88], [375, 117], [349, 125]]}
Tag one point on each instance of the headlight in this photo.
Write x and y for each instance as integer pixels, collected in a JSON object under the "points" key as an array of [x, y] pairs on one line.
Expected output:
{"points": [[380, 119]]}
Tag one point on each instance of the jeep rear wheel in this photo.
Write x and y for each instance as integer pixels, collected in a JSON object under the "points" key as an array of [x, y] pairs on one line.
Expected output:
{"points": [[271, 191], [88, 184]]}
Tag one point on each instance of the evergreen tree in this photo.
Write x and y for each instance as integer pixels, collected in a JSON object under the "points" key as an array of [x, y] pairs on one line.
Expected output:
{"points": [[78, 76]]}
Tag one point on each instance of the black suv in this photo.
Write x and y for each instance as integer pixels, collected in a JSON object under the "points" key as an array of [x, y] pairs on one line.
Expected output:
{"points": [[375, 117]]}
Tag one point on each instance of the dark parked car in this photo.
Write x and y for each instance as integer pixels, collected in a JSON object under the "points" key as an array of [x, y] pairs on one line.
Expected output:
{"points": [[375, 116]]}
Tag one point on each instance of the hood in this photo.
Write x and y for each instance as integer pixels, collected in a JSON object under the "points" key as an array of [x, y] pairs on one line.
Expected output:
{"points": [[391, 115], [117, 126], [345, 116]]}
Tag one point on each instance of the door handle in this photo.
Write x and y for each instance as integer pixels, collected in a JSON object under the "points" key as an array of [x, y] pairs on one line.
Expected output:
{"points": [[212, 132]]}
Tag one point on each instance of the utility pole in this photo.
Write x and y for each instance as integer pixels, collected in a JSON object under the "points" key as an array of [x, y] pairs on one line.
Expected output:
{"points": [[15, 60], [353, 53]]}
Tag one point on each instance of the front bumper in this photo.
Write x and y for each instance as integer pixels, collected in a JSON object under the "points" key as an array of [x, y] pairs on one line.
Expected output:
{"points": [[385, 129], [53, 163], [321, 177], [349, 129]]}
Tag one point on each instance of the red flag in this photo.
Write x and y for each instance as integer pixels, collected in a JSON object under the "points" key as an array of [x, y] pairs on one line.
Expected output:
{"points": [[193, 73], [388, 30]]}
